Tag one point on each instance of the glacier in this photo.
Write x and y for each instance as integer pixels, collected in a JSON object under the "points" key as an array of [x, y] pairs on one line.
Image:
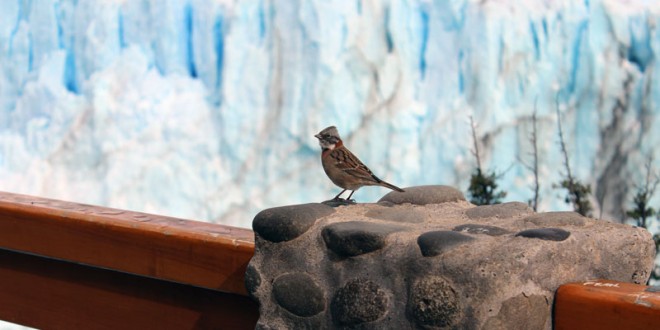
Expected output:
{"points": [[207, 109]]}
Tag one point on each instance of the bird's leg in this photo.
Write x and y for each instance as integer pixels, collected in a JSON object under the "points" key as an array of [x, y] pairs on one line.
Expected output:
{"points": [[351, 194], [337, 197]]}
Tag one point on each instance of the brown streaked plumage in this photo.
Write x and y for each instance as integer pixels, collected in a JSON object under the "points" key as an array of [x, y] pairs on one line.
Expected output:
{"points": [[342, 167]]}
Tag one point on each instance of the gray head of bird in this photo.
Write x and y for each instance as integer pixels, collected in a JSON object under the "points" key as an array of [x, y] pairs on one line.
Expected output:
{"points": [[328, 138]]}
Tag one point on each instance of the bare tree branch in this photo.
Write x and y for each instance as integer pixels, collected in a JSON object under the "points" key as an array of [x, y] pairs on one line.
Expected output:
{"points": [[562, 143], [483, 186], [652, 178], [475, 152], [535, 169], [577, 192]]}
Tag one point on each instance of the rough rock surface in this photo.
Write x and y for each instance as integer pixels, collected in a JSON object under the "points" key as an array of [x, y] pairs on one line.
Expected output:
{"points": [[353, 238], [427, 259], [434, 243], [285, 223], [359, 301], [423, 195], [299, 294]]}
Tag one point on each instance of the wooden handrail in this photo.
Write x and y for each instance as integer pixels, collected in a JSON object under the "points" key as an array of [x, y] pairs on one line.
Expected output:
{"points": [[604, 304], [52, 294], [184, 251], [56, 242]]}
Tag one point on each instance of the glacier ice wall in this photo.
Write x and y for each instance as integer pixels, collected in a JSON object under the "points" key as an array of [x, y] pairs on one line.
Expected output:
{"points": [[207, 109]]}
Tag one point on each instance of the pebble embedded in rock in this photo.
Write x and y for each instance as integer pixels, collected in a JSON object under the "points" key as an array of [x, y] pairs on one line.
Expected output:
{"points": [[548, 234], [481, 229], [359, 301], [422, 195], [434, 302], [299, 294], [434, 243], [506, 210], [353, 238], [280, 224]]}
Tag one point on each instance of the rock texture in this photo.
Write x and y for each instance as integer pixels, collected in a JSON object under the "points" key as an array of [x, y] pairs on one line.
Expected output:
{"points": [[288, 222], [299, 294], [353, 238], [358, 302], [427, 259]]}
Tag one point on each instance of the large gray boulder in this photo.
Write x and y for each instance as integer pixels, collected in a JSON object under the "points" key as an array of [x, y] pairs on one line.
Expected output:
{"points": [[427, 259]]}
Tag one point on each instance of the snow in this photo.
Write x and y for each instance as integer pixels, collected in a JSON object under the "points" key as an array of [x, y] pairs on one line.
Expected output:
{"points": [[207, 109]]}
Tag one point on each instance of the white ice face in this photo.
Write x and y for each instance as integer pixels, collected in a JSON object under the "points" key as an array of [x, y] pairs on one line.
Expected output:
{"points": [[92, 92]]}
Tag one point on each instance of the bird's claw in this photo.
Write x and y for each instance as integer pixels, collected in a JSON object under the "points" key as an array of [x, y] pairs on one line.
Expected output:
{"points": [[337, 201]]}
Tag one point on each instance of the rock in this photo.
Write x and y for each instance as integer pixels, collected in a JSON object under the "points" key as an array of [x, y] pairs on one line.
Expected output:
{"points": [[443, 265], [252, 279], [548, 234], [359, 301], [423, 195], [285, 223], [506, 210], [556, 219], [396, 215], [434, 302], [434, 243], [299, 294], [640, 277], [533, 307], [349, 239], [481, 229], [339, 202]]}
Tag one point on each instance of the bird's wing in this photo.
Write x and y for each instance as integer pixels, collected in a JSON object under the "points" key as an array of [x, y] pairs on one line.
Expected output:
{"points": [[348, 162]]}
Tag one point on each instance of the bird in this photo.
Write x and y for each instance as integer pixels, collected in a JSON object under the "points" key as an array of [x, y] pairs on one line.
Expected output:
{"points": [[343, 168]]}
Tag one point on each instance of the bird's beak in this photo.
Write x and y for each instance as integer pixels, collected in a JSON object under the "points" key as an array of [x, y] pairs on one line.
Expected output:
{"points": [[318, 136]]}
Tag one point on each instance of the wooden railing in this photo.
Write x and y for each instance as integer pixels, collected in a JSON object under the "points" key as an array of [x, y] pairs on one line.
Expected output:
{"points": [[604, 305], [73, 266]]}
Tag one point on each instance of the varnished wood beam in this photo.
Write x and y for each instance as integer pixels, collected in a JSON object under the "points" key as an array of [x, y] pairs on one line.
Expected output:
{"points": [[53, 294], [603, 305], [184, 251]]}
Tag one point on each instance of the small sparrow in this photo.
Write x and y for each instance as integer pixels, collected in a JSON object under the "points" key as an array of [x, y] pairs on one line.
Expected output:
{"points": [[344, 168]]}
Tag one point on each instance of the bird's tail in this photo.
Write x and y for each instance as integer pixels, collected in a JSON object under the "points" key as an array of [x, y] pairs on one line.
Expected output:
{"points": [[391, 186]]}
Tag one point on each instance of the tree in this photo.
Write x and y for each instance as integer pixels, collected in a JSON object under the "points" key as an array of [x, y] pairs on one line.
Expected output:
{"points": [[577, 193], [642, 213], [534, 167], [483, 187]]}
